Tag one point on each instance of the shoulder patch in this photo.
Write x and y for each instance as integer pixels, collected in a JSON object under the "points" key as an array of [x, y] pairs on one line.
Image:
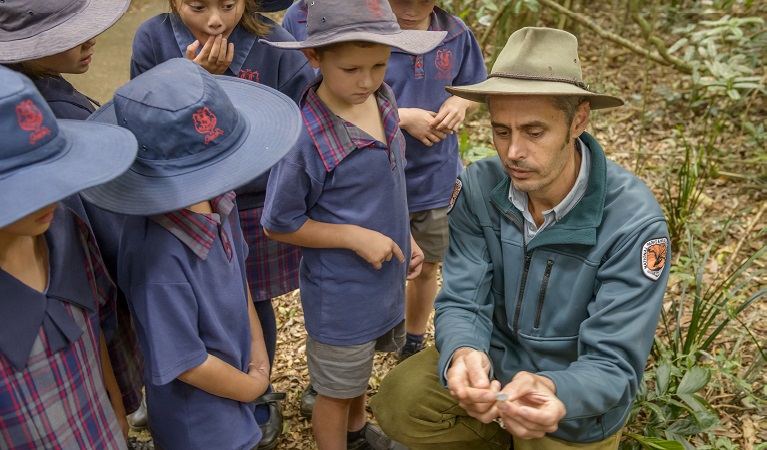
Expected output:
{"points": [[654, 257], [454, 197]]}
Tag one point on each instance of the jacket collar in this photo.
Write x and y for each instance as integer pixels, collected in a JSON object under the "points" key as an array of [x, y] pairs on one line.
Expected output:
{"points": [[579, 226], [24, 310], [243, 41]]}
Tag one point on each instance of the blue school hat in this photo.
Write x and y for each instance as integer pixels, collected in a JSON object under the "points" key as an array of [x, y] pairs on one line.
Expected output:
{"points": [[199, 136], [44, 159], [269, 6]]}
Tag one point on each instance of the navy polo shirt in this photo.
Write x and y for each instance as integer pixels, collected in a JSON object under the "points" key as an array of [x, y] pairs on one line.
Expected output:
{"points": [[337, 173], [186, 308], [65, 101], [294, 20], [165, 36], [419, 82]]}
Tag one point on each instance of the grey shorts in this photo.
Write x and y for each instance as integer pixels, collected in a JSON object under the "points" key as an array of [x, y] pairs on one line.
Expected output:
{"points": [[429, 229], [343, 371]]}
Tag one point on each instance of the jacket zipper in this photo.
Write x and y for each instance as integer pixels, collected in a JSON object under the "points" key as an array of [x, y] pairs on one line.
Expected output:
{"points": [[542, 294], [515, 328]]}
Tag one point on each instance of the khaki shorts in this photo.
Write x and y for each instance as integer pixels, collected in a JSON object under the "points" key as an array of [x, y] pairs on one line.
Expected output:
{"points": [[429, 229], [338, 371]]}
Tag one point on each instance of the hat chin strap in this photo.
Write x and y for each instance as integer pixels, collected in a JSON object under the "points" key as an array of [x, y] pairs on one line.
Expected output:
{"points": [[519, 76]]}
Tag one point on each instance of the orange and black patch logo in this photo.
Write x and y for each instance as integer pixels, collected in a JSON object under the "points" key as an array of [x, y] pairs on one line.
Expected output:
{"points": [[454, 197], [654, 257]]}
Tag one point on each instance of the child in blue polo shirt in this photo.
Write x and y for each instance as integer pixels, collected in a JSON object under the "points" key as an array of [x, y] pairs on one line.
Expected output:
{"points": [[181, 252], [53, 363], [340, 194], [430, 118]]}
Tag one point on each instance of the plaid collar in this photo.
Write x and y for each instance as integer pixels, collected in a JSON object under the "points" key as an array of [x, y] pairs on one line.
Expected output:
{"points": [[243, 41], [23, 310], [303, 11], [199, 231], [336, 138]]}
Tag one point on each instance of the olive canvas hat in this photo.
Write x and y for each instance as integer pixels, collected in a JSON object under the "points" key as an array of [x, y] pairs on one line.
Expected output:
{"points": [[537, 61], [44, 159], [31, 29], [199, 136], [334, 21]]}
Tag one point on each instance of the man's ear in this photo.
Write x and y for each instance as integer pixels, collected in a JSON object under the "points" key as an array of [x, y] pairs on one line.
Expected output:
{"points": [[581, 119], [311, 55]]}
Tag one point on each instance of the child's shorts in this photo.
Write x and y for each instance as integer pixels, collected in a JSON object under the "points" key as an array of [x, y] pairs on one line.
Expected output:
{"points": [[338, 371], [429, 229]]}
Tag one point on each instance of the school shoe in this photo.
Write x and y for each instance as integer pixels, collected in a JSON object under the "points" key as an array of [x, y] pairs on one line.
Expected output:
{"points": [[272, 429], [308, 397], [408, 350], [137, 420], [374, 439]]}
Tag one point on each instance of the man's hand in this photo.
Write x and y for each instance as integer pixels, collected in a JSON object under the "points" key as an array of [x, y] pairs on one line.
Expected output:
{"points": [[215, 56], [416, 260], [416, 122], [374, 247], [452, 114], [468, 381], [533, 408]]}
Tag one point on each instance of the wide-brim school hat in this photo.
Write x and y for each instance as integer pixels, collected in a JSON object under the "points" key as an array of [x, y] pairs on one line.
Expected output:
{"points": [[335, 21], [199, 136], [270, 6], [537, 61], [44, 159], [31, 29]]}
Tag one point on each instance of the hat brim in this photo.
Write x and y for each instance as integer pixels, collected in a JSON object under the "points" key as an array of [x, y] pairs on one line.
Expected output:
{"points": [[410, 41], [508, 86], [95, 153], [273, 126], [270, 6], [96, 18]]}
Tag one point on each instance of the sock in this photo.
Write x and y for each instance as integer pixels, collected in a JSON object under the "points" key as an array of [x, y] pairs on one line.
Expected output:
{"points": [[413, 339], [352, 436]]}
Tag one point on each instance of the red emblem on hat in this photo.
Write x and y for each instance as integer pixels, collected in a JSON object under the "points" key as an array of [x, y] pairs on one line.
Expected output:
{"points": [[205, 123], [444, 63], [30, 119], [375, 8], [250, 75]]}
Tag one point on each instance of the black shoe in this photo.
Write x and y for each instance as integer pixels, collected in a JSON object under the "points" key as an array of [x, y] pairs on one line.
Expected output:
{"points": [[272, 429], [409, 350], [374, 439], [138, 419], [308, 397]]}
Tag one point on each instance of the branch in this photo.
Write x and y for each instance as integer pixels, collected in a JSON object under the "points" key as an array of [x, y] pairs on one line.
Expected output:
{"points": [[662, 57], [488, 31]]}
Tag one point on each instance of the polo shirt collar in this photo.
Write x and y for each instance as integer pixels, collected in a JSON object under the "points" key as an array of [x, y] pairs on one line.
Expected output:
{"points": [[243, 41], [198, 231], [24, 310], [336, 138], [442, 20]]}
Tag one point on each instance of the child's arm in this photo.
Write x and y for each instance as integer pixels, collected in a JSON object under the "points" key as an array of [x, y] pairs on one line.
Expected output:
{"points": [[259, 358], [417, 123], [110, 383], [215, 56], [372, 246], [452, 114], [221, 379]]}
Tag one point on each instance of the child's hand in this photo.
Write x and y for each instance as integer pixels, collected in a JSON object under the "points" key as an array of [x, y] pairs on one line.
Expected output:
{"points": [[416, 260], [260, 372], [416, 122], [215, 56], [374, 247], [451, 114]]}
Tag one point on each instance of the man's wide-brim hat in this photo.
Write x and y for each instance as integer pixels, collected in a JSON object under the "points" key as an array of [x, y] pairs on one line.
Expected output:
{"points": [[199, 136], [334, 21], [44, 159], [31, 29], [537, 61]]}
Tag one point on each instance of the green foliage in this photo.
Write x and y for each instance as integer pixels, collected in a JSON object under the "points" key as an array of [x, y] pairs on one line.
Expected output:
{"points": [[471, 152]]}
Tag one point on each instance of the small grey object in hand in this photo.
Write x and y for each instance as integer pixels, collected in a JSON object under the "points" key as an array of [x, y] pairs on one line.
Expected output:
{"points": [[501, 396]]}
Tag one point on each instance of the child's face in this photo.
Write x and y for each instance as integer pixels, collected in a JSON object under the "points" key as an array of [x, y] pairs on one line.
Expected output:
{"points": [[206, 18], [412, 14], [75, 60], [34, 224], [351, 73]]}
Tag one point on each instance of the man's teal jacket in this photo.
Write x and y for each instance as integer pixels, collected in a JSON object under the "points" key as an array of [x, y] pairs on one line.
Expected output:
{"points": [[579, 303]]}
